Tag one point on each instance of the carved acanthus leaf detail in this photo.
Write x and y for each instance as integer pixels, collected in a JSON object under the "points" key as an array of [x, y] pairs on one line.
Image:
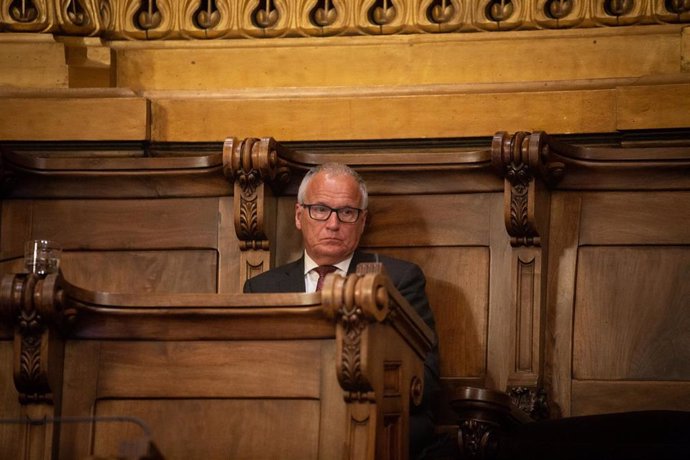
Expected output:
{"points": [[248, 219], [353, 324], [524, 159], [33, 303], [253, 164], [354, 302]]}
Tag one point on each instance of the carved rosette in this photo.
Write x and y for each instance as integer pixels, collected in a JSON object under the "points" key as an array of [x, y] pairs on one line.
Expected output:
{"points": [[524, 161], [34, 304], [252, 164], [355, 302]]}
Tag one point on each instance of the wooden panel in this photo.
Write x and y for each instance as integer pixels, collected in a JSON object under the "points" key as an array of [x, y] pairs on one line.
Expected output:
{"points": [[562, 265], [9, 403], [53, 118], [632, 319], [500, 345], [142, 271], [208, 429], [8, 393], [127, 224], [15, 226], [80, 384], [288, 246], [454, 113], [458, 291], [650, 107], [399, 60], [228, 272], [635, 218], [431, 220], [31, 61], [591, 397], [211, 369], [332, 408]]}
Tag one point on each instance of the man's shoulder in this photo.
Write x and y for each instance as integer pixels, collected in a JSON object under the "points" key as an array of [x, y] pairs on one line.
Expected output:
{"points": [[277, 279], [281, 269]]}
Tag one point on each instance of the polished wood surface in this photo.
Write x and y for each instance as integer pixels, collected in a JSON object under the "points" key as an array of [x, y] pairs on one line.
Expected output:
{"points": [[555, 269], [323, 375]]}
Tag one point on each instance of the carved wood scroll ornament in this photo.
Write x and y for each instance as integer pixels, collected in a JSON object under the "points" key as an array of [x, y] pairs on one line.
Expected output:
{"points": [[524, 161], [354, 302], [252, 164], [34, 305]]}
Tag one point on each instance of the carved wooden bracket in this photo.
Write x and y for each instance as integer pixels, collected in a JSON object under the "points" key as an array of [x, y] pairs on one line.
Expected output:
{"points": [[524, 161], [34, 305], [354, 302], [483, 418], [252, 164], [381, 377], [529, 166]]}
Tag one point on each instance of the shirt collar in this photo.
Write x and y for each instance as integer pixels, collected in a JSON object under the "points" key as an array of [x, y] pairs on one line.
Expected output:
{"points": [[342, 266]]}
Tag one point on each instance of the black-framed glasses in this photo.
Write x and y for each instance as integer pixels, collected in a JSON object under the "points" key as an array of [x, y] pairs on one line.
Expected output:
{"points": [[346, 214]]}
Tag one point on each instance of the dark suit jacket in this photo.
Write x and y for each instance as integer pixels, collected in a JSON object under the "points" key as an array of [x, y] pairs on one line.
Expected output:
{"points": [[409, 279]]}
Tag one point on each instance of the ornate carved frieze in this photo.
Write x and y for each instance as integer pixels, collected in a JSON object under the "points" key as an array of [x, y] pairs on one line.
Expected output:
{"points": [[205, 19], [524, 161], [34, 305]]}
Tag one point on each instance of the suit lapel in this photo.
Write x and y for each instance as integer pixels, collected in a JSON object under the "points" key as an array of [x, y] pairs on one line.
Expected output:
{"points": [[293, 279]]}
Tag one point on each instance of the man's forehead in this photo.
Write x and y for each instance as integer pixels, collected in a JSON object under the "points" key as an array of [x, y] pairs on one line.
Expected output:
{"points": [[336, 184], [334, 190]]}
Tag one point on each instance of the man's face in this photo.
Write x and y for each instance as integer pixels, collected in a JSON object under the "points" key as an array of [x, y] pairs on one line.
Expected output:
{"points": [[331, 241]]}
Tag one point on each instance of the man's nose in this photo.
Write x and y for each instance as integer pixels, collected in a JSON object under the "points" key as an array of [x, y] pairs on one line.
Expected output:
{"points": [[333, 221]]}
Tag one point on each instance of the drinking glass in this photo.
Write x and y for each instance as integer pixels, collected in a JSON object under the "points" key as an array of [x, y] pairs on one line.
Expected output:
{"points": [[42, 256]]}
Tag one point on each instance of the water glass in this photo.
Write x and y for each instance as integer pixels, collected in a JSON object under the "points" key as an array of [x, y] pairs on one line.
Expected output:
{"points": [[42, 256]]}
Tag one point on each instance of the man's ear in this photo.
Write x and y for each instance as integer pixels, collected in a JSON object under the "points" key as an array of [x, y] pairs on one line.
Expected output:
{"points": [[298, 216]]}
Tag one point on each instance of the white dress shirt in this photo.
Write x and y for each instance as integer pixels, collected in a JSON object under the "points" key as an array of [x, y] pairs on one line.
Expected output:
{"points": [[311, 277]]}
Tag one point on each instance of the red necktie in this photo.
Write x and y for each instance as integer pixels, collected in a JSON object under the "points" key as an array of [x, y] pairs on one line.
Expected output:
{"points": [[323, 270]]}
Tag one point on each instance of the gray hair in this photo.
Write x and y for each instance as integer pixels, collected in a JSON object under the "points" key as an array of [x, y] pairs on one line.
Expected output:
{"points": [[334, 169]]}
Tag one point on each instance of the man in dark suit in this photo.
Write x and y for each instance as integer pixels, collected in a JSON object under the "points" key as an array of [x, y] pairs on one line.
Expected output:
{"points": [[331, 212]]}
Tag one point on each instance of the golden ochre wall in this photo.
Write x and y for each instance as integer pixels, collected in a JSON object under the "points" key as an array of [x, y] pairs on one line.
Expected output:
{"points": [[199, 71]]}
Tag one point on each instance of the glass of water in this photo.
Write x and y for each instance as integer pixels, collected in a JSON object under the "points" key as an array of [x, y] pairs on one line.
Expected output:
{"points": [[42, 256]]}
